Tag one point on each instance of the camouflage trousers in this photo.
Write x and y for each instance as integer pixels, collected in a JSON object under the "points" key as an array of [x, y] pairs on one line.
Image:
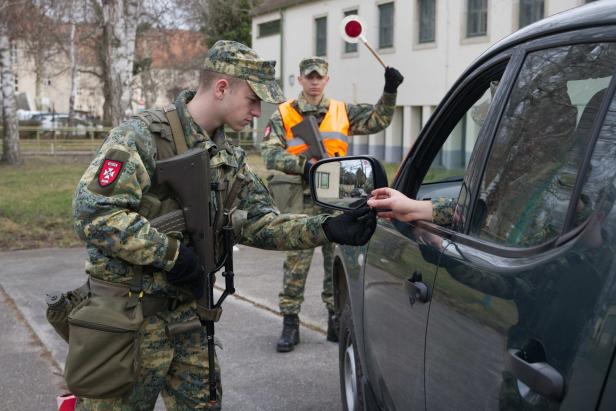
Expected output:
{"points": [[176, 367], [295, 271]]}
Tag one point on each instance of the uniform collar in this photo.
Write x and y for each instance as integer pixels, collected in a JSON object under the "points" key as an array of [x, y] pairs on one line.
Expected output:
{"points": [[306, 108], [193, 132]]}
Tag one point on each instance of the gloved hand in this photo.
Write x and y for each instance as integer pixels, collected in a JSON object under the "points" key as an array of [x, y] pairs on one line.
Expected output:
{"points": [[187, 271], [353, 227], [306, 174], [393, 78]]}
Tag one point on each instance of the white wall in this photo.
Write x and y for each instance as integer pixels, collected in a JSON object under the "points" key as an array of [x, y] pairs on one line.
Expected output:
{"points": [[429, 69]]}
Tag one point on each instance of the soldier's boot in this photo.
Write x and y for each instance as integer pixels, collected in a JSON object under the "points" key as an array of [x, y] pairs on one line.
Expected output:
{"points": [[290, 333], [332, 327]]}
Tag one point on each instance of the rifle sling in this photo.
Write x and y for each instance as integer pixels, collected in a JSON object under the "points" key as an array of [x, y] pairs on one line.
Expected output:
{"points": [[176, 128]]}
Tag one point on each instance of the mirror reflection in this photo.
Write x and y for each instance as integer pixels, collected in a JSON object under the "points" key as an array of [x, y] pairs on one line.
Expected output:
{"points": [[344, 183]]}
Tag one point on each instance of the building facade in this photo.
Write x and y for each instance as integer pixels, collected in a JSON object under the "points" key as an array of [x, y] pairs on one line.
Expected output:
{"points": [[430, 41]]}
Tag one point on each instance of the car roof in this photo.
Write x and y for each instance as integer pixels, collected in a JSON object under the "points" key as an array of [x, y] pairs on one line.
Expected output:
{"points": [[595, 14]]}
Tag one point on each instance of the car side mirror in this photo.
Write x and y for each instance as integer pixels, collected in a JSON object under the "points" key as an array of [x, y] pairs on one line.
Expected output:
{"points": [[345, 183]]}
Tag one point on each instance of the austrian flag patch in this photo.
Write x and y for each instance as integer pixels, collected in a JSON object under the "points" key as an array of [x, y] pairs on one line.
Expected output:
{"points": [[109, 172]]}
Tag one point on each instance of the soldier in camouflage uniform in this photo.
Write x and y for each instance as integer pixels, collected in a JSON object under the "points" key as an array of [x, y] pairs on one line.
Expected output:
{"points": [[118, 196], [284, 153]]}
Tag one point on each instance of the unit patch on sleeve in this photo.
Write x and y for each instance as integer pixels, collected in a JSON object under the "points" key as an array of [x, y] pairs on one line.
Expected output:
{"points": [[109, 172], [267, 131]]}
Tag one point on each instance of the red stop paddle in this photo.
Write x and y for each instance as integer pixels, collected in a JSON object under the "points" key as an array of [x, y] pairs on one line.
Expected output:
{"points": [[351, 30]]}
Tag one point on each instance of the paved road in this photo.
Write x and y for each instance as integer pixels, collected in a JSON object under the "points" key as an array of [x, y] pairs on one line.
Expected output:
{"points": [[255, 376]]}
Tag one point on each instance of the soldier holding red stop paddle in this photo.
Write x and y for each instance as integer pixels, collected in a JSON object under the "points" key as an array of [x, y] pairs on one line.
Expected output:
{"points": [[283, 151]]}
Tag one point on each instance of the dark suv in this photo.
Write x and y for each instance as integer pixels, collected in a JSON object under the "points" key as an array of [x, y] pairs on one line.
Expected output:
{"points": [[510, 304]]}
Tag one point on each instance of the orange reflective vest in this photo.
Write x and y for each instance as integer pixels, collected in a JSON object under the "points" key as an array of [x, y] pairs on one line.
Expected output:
{"points": [[334, 128]]}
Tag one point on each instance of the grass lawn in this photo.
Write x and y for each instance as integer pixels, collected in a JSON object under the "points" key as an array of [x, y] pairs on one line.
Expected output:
{"points": [[35, 200]]}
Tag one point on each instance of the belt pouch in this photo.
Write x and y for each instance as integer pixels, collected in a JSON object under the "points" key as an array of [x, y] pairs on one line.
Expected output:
{"points": [[103, 353], [288, 192]]}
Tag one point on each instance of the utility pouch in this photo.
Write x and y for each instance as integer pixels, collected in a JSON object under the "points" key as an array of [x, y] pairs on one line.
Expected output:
{"points": [[59, 305], [288, 192], [103, 350]]}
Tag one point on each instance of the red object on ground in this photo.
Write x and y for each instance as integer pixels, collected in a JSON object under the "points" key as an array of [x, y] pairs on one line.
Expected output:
{"points": [[353, 28], [66, 402]]}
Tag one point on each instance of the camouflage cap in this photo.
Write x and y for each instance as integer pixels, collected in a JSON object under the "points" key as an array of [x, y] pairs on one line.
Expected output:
{"points": [[237, 60], [310, 64]]}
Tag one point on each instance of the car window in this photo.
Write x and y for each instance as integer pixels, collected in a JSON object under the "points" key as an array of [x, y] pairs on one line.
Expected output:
{"points": [[451, 161], [540, 143], [599, 192]]}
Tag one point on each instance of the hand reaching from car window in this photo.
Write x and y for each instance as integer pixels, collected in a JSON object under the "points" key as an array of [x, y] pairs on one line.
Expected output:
{"points": [[401, 207]]}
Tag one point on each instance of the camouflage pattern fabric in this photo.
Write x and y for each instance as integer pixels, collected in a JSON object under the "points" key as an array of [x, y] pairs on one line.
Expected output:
{"points": [[295, 271], [237, 60], [363, 119], [175, 367], [120, 241], [442, 210], [310, 64]]}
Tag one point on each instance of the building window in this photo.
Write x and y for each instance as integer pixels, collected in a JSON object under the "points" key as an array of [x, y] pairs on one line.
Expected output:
{"points": [[476, 18], [320, 25], [386, 25], [350, 47], [427, 20], [269, 28], [322, 180], [530, 12]]}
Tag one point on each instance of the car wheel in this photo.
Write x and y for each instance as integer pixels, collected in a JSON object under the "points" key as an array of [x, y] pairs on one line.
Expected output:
{"points": [[350, 368]]}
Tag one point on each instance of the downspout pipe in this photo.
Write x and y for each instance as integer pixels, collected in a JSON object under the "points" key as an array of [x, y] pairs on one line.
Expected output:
{"points": [[282, 82]]}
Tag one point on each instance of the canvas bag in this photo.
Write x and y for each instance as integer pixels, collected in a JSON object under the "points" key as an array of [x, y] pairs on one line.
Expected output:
{"points": [[103, 353]]}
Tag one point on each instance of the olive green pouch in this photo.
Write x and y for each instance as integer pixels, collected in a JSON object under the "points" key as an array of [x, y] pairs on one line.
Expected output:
{"points": [[59, 305], [103, 349], [288, 192]]}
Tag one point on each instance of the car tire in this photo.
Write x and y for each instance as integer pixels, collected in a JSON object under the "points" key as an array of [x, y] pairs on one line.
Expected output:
{"points": [[351, 377]]}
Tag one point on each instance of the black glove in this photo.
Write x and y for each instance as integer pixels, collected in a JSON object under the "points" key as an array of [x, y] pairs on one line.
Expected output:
{"points": [[307, 167], [187, 271], [393, 78], [353, 227]]}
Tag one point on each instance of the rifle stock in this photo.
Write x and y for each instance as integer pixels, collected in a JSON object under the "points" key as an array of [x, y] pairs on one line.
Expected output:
{"points": [[195, 200], [308, 130]]}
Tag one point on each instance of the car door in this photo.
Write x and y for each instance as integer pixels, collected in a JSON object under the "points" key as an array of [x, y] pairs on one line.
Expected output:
{"points": [[402, 258], [525, 282]]}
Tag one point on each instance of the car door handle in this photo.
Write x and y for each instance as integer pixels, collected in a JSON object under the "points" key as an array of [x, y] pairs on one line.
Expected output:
{"points": [[417, 289], [540, 377]]}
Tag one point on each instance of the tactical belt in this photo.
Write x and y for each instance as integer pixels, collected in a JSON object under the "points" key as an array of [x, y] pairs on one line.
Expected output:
{"points": [[150, 304]]}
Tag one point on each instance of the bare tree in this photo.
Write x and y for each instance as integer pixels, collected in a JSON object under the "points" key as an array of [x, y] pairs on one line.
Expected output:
{"points": [[119, 21], [10, 142]]}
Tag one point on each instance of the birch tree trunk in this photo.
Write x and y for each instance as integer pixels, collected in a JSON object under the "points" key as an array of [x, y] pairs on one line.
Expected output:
{"points": [[120, 19], [10, 141], [40, 69], [73, 70]]}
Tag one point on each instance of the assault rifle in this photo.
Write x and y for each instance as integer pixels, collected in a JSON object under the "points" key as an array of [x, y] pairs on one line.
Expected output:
{"points": [[308, 130], [196, 218]]}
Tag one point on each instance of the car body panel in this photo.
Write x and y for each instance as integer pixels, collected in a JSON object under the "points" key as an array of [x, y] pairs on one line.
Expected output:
{"points": [[556, 299], [394, 320]]}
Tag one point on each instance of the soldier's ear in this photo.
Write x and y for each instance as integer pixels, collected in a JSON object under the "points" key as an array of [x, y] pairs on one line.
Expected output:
{"points": [[221, 87]]}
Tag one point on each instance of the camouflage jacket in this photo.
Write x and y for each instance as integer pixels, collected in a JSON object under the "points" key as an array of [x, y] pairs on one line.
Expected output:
{"points": [[442, 210], [120, 241], [363, 119]]}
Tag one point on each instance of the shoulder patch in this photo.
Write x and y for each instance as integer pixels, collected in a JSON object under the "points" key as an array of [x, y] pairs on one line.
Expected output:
{"points": [[109, 171], [267, 131]]}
